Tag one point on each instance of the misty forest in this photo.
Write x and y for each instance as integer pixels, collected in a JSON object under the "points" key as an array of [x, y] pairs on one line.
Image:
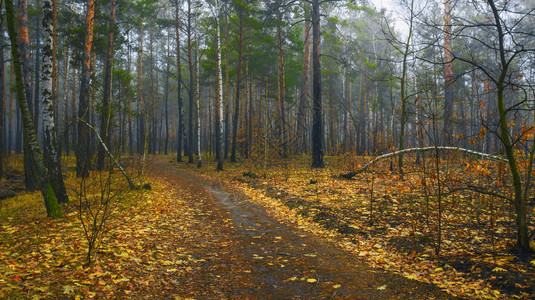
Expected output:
{"points": [[216, 149]]}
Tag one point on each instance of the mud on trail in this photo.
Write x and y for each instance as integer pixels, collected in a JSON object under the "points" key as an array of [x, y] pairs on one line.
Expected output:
{"points": [[237, 250]]}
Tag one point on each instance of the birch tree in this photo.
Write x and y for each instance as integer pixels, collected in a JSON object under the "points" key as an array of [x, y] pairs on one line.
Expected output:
{"points": [[51, 203], [52, 157], [219, 91]]}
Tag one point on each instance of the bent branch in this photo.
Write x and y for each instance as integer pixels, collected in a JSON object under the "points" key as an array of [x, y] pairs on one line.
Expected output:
{"points": [[410, 150]]}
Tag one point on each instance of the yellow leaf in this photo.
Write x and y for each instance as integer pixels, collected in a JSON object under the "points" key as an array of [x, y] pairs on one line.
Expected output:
{"points": [[382, 287], [311, 280], [498, 269], [116, 281], [68, 289], [337, 286], [439, 270]]}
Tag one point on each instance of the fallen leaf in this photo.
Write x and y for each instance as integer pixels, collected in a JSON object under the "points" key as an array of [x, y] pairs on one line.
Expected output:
{"points": [[68, 289], [382, 288], [311, 280]]}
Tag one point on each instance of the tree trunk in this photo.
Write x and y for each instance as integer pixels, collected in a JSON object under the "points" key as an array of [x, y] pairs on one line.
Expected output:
{"points": [[303, 91], [219, 92], [65, 136], [249, 77], [153, 98], [2, 97], [140, 103], [282, 88], [83, 155], [52, 207], [108, 69], [226, 118], [404, 117], [198, 105], [191, 90], [24, 42], [36, 109], [317, 116], [236, 116], [448, 75], [168, 67], [52, 158], [519, 200], [180, 133]]}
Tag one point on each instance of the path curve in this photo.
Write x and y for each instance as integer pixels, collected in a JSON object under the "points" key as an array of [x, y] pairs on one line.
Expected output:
{"points": [[261, 258]]}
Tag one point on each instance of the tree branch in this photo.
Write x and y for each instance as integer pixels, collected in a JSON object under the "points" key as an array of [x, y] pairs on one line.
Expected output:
{"points": [[130, 183], [410, 150]]}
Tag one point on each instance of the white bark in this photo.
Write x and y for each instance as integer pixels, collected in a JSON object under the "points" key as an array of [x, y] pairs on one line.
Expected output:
{"points": [[52, 159], [442, 148], [198, 108], [115, 161], [220, 81]]}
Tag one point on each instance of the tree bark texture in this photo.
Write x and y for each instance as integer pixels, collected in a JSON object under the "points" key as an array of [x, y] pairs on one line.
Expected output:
{"points": [[24, 44], [317, 114], [52, 207], [180, 133], [52, 157], [36, 109], [303, 91], [105, 115], [2, 97], [219, 92], [448, 75], [282, 90], [191, 90], [236, 116], [140, 102], [83, 154], [520, 199]]}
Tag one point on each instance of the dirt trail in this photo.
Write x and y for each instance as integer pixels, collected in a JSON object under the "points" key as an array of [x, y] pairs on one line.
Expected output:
{"points": [[249, 254]]}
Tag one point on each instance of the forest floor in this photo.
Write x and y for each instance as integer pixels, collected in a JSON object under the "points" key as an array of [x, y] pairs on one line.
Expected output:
{"points": [[234, 234], [392, 224]]}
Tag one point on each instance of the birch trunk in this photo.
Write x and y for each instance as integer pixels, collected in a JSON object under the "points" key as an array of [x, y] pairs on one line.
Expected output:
{"points": [[36, 99], [219, 92], [51, 203], [52, 157]]}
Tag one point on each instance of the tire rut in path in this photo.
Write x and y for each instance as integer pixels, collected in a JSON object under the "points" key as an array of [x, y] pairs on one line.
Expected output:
{"points": [[284, 262]]}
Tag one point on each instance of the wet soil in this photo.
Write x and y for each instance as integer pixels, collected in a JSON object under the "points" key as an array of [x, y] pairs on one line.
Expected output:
{"points": [[250, 254]]}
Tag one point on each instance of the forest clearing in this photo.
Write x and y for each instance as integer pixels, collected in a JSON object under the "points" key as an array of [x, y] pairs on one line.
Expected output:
{"points": [[173, 149]]}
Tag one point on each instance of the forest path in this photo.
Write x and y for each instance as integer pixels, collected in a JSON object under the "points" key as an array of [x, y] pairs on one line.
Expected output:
{"points": [[245, 253]]}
